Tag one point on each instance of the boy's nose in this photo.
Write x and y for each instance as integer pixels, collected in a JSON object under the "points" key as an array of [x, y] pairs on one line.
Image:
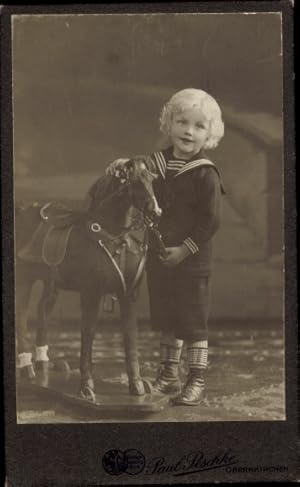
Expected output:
{"points": [[188, 130]]}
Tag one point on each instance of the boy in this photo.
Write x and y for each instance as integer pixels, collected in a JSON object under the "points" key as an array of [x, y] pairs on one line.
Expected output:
{"points": [[188, 191]]}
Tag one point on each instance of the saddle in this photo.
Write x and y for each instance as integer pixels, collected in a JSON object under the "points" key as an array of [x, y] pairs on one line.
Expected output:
{"points": [[49, 241]]}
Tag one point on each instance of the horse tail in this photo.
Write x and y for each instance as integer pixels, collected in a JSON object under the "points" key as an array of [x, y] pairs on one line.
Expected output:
{"points": [[27, 219]]}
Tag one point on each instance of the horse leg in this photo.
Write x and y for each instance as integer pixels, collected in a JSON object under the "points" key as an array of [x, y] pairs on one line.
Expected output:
{"points": [[130, 338], [24, 350], [89, 309], [45, 306]]}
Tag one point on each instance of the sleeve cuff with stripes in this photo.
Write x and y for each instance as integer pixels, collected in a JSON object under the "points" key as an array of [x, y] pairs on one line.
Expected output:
{"points": [[193, 248]]}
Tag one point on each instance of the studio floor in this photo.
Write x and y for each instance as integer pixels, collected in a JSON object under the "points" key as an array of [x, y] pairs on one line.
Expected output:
{"points": [[245, 378]]}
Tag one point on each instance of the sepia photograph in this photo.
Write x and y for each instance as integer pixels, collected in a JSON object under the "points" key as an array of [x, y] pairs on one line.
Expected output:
{"points": [[94, 94], [149, 248]]}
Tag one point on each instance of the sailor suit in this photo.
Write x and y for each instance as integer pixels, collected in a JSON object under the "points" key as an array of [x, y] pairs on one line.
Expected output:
{"points": [[189, 194]]}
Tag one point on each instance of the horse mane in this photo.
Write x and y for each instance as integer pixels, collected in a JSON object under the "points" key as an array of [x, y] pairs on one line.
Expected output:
{"points": [[99, 191], [107, 184]]}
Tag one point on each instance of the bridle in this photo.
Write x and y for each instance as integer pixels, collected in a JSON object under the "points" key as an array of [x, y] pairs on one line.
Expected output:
{"points": [[124, 185], [124, 236]]}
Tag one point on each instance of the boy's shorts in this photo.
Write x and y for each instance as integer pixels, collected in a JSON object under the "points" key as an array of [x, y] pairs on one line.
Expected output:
{"points": [[179, 302]]}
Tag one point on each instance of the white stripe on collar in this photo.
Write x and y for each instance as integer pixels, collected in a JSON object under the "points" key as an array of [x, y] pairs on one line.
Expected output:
{"points": [[177, 165], [173, 167], [161, 163], [192, 164], [173, 164]]}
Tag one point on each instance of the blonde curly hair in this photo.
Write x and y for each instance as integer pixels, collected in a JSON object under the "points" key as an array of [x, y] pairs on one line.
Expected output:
{"points": [[189, 98]]}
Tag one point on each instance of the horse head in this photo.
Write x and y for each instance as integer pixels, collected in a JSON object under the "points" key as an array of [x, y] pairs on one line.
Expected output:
{"points": [[130, 185], [139, 173]]}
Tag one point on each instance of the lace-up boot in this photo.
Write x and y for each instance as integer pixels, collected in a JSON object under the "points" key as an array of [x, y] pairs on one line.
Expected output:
{"points": [[168, 381], [193, 393]]}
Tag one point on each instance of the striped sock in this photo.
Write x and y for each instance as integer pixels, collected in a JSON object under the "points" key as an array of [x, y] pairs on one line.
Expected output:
{"points": [[197, 353], [163, 353], [170, 360]]}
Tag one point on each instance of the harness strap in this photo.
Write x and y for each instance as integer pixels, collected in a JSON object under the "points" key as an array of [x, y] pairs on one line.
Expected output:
{"points": [[114, 263], [141, 265], [121, 267], [138, 273], [97, 232], [123, 258]]}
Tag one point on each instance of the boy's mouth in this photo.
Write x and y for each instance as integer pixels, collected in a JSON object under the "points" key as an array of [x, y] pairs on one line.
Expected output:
{"points": [[187, 141]]}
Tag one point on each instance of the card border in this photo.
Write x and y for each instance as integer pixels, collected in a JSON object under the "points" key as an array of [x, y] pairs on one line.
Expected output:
{"points": [[44, 460]]}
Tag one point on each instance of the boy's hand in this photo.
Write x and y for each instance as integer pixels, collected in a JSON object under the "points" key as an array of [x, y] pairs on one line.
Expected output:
{"points": [[175, 255]]}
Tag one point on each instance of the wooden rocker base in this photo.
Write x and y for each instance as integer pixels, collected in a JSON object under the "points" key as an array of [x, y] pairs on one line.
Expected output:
{"points": [[110, 399]]}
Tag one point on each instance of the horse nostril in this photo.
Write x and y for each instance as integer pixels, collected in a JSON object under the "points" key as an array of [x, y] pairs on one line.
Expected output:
{"points": [[158, 211]]}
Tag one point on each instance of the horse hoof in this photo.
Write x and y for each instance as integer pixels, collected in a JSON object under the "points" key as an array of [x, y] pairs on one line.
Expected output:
{"points": [[148, 386], [136, 388], [87, 393], [61, 365]]}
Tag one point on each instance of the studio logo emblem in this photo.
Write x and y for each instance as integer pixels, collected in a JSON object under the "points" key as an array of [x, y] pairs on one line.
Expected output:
{"points": [[135, 461], [114, 462], [130, 461]]}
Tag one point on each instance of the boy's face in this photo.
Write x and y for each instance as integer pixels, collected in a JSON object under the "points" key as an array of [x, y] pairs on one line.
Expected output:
{"points": [[189, 131]]}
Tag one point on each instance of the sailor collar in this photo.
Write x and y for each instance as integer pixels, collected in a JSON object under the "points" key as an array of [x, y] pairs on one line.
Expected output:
{"points": [[177, 165]]}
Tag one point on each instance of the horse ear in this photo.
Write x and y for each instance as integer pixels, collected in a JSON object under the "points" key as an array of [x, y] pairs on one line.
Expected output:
{"points": [[147, 160], [150, 164]]}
